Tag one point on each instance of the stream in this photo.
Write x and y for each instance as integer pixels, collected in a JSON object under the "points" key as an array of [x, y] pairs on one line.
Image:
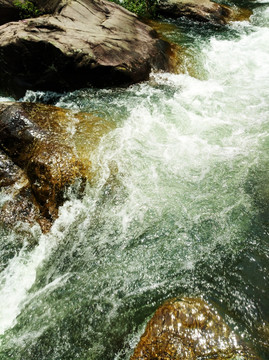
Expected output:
{"points": [[179, 207]]}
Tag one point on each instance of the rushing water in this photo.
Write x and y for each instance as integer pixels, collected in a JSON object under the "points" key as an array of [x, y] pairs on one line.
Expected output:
{"points": [[180, 206]]}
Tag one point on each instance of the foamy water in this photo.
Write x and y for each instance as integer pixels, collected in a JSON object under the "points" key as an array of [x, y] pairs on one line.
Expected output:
{"points": [[179, 207]]}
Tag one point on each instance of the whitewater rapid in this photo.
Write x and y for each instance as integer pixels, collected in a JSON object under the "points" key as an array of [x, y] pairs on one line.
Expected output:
{"points": [[179, 207]]}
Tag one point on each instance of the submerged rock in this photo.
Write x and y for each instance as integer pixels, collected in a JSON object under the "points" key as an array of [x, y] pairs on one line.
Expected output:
{"points": [[84, 43], [44, 149], [201, 10], [189, 329]]}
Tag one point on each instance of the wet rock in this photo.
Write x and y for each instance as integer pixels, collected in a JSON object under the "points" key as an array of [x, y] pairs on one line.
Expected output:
{"points": [[8, 11], [189, 329], [50, 164], [9, 172], [22, 207], [200, 10], [84, 43], [46, 150], [18, 202]]}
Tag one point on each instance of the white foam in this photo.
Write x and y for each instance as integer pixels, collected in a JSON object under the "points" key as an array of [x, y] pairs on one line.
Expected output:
{"points": [[16, 280]]}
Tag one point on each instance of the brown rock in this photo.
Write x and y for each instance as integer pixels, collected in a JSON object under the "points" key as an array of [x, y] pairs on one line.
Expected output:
{"points": [[86, 42], [9, 172], [20, 204], [200, 10], [37, 138], [189, 329], [49, 164]]}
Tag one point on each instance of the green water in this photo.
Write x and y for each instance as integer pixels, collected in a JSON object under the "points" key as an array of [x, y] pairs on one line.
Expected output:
{"points": [[180, 207]]}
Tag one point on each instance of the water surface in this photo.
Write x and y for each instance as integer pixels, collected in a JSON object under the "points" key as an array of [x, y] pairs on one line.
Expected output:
{"points": [[179, 207]]}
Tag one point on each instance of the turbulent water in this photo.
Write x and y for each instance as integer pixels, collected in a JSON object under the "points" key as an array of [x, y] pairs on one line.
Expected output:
{"points": [[180, 206]]}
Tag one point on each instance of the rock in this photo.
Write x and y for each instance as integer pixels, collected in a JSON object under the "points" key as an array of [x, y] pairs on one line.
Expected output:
{"points": [[19, 204], [49, 164], [85, 43], [51, 147], [9, 172], [200, 10], [189, 329], [8, 11]]}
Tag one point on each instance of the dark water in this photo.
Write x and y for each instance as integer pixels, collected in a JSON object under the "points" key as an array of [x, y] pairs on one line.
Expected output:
{"points": [[180, 207]]}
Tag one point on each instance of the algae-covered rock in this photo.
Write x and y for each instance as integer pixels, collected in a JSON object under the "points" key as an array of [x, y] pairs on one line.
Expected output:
{"points": [[189, 329]]}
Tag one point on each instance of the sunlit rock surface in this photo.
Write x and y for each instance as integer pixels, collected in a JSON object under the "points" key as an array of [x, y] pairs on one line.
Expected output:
{"points": [[83, 43], [189, 329], [44, 152]]}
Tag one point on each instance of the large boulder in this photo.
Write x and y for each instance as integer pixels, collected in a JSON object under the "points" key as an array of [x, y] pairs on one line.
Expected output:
{"points": [[200, 10], [46, 151], [189, 329], [85, 42]]}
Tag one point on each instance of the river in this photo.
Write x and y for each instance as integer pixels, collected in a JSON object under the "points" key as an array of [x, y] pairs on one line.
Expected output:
{"points": [[180, 206]]}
